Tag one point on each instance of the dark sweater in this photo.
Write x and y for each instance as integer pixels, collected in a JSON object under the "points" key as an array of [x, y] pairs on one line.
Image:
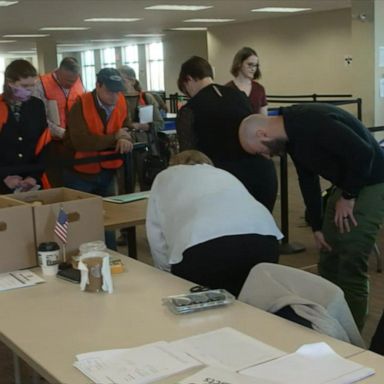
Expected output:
{"points": [[210, 122], [217, 112], [328, 141]]}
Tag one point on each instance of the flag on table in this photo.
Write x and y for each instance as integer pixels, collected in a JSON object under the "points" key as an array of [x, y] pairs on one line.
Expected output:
{"points": [[61, 227]]}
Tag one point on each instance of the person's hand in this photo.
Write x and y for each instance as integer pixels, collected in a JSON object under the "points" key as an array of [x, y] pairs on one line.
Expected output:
{"points": [[13, 182], [27, 184], [144, 127], [122, 134], [124, 146], [135, 126], [320, 242], [139, 126], [58, 133], [344, 218]]}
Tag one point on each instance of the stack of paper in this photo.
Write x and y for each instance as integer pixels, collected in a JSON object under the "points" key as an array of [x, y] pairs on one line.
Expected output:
{"points": [[19, 279], [227, 348], [140, 365], [230, 357], [217, 375], [146, 114]]}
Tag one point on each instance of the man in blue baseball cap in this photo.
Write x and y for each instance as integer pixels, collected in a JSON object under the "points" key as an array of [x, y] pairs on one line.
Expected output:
{"points": [[96, 127]]}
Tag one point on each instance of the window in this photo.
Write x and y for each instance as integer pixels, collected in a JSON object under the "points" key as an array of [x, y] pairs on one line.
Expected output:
{"points": [[108, 58], [88, 70], [131, 57], [155, 67]]}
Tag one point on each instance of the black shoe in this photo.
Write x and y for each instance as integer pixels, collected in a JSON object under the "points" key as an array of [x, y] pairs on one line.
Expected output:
{"points": [[122, 240]]}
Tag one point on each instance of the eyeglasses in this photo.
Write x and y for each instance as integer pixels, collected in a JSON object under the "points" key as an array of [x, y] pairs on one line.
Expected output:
{"points": [[251, 65]]}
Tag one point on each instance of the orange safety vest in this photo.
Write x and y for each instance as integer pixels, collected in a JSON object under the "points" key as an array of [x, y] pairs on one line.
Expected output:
{"points": [[44, 139], [53, 91], [141, 100], [96, 127]]}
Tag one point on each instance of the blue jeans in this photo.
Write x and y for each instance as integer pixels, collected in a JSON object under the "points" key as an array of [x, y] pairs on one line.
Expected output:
{"points": [[99, 184]]}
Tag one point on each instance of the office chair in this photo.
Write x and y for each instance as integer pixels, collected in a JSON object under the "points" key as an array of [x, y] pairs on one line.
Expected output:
{"points": [[303, 297]]}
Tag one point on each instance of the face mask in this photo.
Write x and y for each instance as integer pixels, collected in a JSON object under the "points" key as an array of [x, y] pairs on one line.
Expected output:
{"points": [[21, 93]]}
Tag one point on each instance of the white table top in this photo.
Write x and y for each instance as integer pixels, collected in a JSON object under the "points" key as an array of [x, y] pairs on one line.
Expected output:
{"points": [[47, 325]]}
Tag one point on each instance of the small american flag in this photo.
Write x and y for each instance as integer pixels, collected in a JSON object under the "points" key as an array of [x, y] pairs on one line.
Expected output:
{"points": [[61, 227]]}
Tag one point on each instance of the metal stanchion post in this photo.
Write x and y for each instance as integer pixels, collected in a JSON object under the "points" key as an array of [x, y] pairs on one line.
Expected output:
{"points": [[286, 248]]}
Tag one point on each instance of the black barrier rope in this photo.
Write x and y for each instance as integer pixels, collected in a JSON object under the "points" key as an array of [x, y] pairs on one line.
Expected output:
{"points": [[313, 96], [376, 129]]}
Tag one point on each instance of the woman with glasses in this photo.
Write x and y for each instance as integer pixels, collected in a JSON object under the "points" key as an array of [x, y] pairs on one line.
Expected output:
{"points": [[246, 70]]}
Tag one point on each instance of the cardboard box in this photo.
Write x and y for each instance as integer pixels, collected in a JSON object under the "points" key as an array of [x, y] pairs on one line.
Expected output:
{"points": [[17, 240], [84, 210]]}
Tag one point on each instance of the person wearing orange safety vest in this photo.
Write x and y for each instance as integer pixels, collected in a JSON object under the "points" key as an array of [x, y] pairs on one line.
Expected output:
{"points": [[59, 91], [142, 132], [96, 127], [24, 133]]}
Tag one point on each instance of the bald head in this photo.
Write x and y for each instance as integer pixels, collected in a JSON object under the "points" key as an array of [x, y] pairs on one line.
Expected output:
{"points": [[250, 130], [259, 134]]}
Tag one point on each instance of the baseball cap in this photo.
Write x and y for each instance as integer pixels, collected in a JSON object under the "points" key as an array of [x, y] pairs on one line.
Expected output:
{"points": [[111, 78]]}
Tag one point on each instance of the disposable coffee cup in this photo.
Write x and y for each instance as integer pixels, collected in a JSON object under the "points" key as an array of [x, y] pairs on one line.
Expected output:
{"points": [[49, 258]]}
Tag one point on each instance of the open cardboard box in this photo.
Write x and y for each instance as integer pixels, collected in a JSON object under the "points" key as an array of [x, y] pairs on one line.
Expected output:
{"points": [[17, 240], [84, 210]]}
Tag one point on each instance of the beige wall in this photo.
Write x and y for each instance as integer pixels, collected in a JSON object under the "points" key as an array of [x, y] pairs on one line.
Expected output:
{"points": [[379, 70], [179, 47], [363, 52], [301, 54]]}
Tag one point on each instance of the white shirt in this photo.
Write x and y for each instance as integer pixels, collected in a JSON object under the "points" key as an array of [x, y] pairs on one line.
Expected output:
{"points": [[191, 204]]}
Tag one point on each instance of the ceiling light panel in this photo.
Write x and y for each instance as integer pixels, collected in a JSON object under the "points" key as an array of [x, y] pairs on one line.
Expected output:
{"points": [[208, 20], [113, 19], [7, 3], [7, 41], [280, 9], [144, 35], [105, 40], [189, 29], [64, 28], [166, 7], [23, 52], [32, 35], [71, 45]]}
